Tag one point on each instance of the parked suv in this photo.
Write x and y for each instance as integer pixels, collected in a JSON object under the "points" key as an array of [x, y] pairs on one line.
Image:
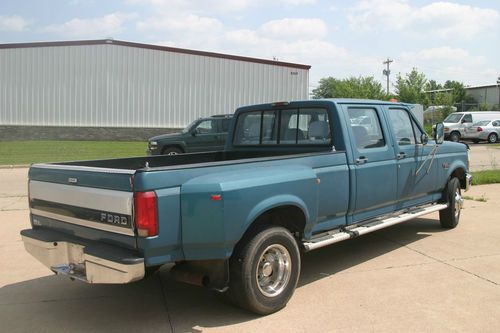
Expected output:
{"points": [[204, 134]]}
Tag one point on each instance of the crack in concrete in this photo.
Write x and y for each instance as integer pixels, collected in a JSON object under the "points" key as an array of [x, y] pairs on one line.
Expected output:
{"points": [[440, 261], [56, 300], [165, 302]]}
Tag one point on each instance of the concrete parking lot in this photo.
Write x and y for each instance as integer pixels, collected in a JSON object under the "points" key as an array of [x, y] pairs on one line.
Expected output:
{"points": [[411, 277], [484, 156]]}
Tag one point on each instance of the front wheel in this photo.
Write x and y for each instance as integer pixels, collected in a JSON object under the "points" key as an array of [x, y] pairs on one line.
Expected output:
{"points": [[265, 270], [172, 151], [450, 216], [492, 138], [455, 136]]}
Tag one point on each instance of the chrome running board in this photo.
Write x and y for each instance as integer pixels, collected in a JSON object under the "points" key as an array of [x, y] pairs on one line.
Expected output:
{"points": [[339, 235]]}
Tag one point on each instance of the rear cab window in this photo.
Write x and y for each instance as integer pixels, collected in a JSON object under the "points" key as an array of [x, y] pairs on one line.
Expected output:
{"points": [[295, 126]]}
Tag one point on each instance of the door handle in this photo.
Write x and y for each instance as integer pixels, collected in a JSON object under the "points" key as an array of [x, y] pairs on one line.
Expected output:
{"points": [[361, 160], [400, 156]]}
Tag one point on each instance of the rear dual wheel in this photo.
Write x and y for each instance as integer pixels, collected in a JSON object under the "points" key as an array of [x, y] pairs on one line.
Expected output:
{"points": [[264, 271]]}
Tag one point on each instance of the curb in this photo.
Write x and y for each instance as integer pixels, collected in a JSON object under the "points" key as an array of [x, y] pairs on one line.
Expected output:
{"points": [[18, 166]]}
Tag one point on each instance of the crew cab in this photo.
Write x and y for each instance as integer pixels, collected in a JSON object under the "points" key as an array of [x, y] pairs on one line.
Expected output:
{"points": [[293, 177]]}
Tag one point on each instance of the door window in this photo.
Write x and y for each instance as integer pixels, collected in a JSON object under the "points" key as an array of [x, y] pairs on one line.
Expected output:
{"points": [[206, 127], [402, 125], [366, 128], [467, 118]]}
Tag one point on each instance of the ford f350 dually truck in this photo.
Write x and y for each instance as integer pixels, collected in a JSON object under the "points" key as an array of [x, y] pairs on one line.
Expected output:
{"points": [[293, 177]]}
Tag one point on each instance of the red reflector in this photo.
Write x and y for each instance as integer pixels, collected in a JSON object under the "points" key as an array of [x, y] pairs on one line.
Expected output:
{"points": [[479, 129], [216, 197], [146, 213]]}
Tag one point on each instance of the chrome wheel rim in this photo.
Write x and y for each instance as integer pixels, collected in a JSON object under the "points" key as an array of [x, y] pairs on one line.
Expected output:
{"points": [[273, 270], [173, 153], [459, 202]]}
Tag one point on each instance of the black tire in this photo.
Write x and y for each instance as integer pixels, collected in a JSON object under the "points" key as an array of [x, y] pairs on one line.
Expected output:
{"points": [[172, 151], [270, 253], [493, 138], [455, 136], [450, 216]]}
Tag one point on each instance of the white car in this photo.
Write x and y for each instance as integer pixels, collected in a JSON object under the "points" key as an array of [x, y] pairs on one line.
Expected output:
{"points": [[485, 130]]}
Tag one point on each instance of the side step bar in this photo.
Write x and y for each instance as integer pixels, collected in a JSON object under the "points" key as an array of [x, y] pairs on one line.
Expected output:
{"points": [[369, 226]]}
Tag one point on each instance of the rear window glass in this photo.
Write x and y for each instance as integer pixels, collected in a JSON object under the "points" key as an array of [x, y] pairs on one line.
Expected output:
{"points": [[482, 123], [304, 126]]}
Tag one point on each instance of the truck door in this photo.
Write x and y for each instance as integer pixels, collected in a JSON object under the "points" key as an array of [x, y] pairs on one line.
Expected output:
{"points": [[413, 188], [205, 137], [374, 163]]}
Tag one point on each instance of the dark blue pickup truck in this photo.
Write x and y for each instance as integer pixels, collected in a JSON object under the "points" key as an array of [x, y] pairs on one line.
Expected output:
{"points": [[293, 177]]}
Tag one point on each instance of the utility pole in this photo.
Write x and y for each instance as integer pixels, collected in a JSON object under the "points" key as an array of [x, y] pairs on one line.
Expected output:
{"points": [[387, 72]]}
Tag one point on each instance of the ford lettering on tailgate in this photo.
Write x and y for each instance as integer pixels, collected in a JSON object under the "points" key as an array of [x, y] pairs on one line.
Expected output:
{"points": [[82, 213]]}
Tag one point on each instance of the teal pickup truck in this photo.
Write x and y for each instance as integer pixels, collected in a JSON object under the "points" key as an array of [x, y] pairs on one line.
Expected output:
{"points": [[293, 177]]}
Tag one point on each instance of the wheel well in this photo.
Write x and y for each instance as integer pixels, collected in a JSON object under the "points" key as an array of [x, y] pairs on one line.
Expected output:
{"points": [[456, 131], [289, 217], [460, 174], [172, 146]]}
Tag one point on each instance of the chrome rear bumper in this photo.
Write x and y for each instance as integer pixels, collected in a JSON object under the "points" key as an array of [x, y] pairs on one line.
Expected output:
{"points": [[82, 260]]}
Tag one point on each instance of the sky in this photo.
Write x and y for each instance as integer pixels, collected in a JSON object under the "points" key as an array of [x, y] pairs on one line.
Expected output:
{"points": [[446, 40]]}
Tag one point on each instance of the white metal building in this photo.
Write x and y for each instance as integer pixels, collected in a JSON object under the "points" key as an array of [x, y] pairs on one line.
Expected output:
{"points": [[111, 83]]}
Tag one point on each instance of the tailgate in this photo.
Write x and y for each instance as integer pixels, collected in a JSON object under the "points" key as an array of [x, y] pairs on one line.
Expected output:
{"points": [[90, 203]]}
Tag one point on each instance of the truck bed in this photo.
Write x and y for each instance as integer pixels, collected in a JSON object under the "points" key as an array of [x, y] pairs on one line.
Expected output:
{"points": [[193, 159]]}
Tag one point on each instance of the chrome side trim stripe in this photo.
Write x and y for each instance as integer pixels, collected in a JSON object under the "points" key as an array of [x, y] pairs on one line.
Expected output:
{"points": [[82, 168], [84, 223], [94, 198]]}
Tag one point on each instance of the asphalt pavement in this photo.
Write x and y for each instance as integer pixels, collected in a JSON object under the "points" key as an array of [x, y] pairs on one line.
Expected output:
{"points": [[411, 277]]}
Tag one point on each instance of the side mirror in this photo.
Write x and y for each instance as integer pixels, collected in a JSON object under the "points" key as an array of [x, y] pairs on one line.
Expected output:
{"points": [[194, 132], [424, 138], [439, 133]]}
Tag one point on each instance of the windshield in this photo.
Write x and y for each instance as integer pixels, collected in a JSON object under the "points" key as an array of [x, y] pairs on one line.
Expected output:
{"points": [[453, 118], [190, 126]]}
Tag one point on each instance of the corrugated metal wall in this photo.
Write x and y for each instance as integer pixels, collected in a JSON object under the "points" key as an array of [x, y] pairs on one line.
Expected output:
{"points": [[121, 86]]}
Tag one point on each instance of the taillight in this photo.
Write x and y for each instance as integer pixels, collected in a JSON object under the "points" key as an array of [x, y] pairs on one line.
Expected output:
{"points": [[479, 129], [146, 213]]}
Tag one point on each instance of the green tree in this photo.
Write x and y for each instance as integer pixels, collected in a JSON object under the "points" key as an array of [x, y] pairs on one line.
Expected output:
{"points": [[459, 93], [353, 87], [411, 87], [433, 85], [444, 99]]}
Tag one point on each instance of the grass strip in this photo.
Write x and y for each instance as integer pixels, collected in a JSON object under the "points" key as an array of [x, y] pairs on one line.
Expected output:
{"points": [[27, 152], [485, 177]]}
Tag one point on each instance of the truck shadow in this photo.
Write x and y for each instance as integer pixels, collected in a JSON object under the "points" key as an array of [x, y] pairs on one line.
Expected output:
{"points": [[158, 303]]}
